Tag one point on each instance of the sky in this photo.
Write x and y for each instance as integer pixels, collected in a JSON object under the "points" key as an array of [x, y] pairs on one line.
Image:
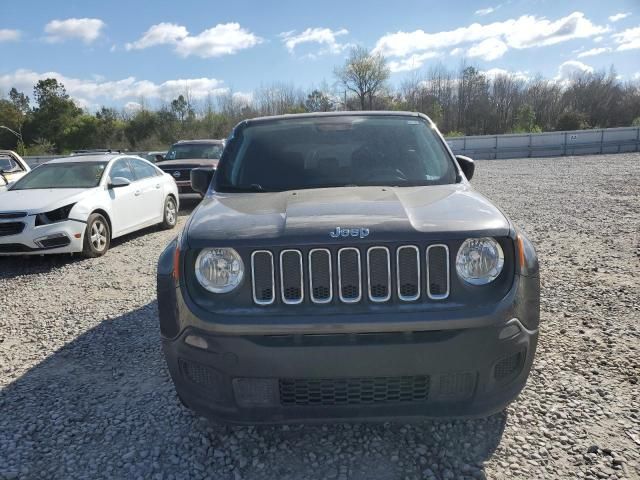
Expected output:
{"points": [[121, 52]]}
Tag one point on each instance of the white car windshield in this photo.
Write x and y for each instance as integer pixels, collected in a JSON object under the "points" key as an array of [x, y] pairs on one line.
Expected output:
{"points": [[63, 175]]}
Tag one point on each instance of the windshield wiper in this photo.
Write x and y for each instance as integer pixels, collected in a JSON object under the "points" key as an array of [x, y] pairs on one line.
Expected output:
{"points": [[254, 187]]}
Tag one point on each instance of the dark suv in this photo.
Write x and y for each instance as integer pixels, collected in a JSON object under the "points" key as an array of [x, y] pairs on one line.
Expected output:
{"points": [[341, 266], [186, 155]]}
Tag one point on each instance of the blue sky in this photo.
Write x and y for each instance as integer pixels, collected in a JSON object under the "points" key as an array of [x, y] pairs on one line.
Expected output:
{"points": [[117, 52]]}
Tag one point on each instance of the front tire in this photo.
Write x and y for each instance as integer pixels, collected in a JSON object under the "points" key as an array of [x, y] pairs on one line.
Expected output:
{"points": [[170, 215], [97, 236]]}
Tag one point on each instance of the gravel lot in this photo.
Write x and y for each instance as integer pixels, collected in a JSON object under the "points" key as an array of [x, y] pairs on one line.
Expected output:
{"points": [[86, 394]]}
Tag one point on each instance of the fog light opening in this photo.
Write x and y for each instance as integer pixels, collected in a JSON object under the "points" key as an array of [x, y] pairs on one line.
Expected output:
{"points": [[196, 341], [510, 330]]}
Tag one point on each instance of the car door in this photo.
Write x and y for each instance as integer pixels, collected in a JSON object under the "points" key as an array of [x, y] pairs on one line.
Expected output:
{"points": [[124, 200], [149, 183]]}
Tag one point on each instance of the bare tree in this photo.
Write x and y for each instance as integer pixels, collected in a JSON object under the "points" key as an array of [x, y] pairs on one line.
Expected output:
{"points": [[364, 74]]}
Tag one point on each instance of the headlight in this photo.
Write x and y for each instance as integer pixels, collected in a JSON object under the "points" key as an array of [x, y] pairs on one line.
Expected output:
{"points": [[57, 215], [479, 260], [219, 270]]}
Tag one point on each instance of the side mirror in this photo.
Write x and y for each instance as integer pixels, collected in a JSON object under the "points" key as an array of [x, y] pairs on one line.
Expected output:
{"points": [[119, 182], [201, 179], [467, 165]]}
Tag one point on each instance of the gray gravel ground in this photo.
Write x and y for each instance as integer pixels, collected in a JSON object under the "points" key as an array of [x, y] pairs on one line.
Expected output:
{"points": [[85, 392]]}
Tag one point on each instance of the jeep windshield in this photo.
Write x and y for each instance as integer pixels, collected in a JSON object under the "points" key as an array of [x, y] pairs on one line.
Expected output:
{"points": [[334, 151]]}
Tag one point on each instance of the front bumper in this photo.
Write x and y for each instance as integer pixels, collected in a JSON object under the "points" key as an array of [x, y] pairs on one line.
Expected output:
{"points": [[274, 379], [59, 237], [450, 364]]}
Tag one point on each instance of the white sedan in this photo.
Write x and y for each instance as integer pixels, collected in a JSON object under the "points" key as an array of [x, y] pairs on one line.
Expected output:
{"points": [[81, 203], [12, 168]]}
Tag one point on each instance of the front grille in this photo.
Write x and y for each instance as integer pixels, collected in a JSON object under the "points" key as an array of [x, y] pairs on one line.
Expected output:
{"points": [[8, 215], [351, 274], [263, 279], [291, 276], [379, 278], [437, 272], [408, 271], [11, 228], [320, 276], [354, 391]]}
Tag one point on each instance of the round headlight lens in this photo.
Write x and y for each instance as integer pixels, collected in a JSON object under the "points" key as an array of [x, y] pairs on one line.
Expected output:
{"points": [[479, 260], [219, 270]]}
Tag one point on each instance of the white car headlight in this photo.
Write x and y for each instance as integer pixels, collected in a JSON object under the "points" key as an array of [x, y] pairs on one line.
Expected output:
{"points": [[219, 270], [479, 260]]}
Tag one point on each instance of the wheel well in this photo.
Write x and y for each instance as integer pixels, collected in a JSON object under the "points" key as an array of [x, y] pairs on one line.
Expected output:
{"points": [[106, 216]]}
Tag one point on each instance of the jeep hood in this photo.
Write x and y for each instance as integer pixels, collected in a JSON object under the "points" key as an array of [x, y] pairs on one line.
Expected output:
{"points": [[187, 163], [40, 200], [308, 216]]}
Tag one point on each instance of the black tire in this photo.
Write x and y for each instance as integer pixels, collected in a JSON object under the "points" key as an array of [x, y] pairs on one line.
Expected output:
{"points": [[170, 214], [97, 236]]}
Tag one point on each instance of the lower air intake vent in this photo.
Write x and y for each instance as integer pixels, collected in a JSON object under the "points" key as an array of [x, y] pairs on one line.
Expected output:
{"points": [[354, 391], [509, 367]]}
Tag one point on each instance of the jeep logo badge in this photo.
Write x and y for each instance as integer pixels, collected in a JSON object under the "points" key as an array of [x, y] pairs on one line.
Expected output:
{"points": [[349, 232], [176, 174]]}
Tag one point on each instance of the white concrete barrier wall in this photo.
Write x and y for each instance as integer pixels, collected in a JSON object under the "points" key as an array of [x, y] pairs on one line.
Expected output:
{"points": [[578, 142]]}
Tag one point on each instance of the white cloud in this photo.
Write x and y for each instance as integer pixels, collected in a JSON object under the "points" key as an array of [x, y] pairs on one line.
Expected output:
{"points": [[412, 62], [628, 39], [526, 31], [456, 51], [569, 69], [160, 34], [132, 107], [485, 11], [489, 49], [636, 76], [593, 52], [492, 73], [598, 39], [618, 16], [223, 39], [86, 29], [93, 91], [322, 36], [9, 35]]}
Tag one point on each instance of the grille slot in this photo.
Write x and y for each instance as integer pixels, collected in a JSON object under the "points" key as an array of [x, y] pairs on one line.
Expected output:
{"points": [[320, 276], [7, 215], [263, 277], [379, 277], [354, 391], [291, 285], [11, 228], [408, 269], [437, 272], [349, 275]]}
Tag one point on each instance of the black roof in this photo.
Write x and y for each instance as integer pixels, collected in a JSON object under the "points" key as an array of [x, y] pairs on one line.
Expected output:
{"points": [[381, 113]]}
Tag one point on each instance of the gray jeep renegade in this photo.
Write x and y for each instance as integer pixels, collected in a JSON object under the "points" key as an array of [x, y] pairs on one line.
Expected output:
{"points": [[341, 266]]}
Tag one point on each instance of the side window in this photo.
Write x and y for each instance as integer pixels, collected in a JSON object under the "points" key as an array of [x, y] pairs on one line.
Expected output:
{"points": [[8, 164], [122, 169], [142, 169]]}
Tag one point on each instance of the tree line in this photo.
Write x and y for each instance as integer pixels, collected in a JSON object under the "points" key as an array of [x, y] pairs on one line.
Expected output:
{"points": [[466, 101]]}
